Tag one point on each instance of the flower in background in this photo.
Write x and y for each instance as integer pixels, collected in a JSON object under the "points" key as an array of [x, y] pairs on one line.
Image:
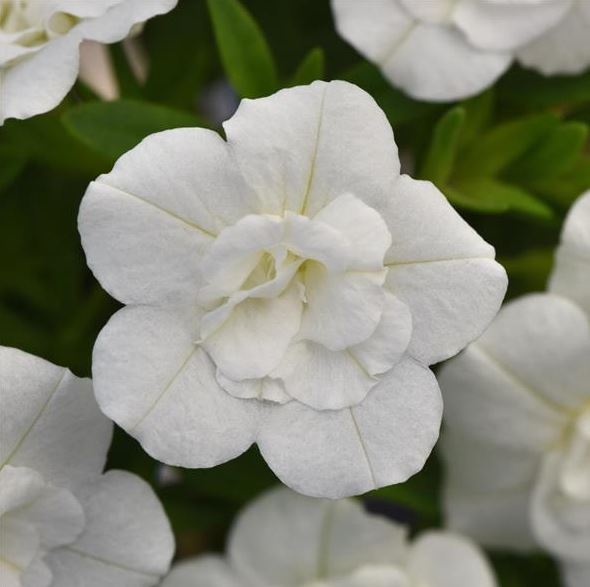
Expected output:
{"points": [[286, 540], [286, 287], [443, 50], [517, 437], [39, 45], [62, 522], [564, 48], [571, 273]]}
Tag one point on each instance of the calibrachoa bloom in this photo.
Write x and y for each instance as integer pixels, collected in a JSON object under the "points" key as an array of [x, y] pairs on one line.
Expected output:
{"points": [[62, 522], [517, 441], [571, 274], [287, 287], [564, 48], [287, 540], [39, 41], [444, 50]]}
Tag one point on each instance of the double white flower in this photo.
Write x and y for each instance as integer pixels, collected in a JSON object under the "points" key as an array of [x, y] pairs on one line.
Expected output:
{"points": [[518, 418], [286, 287], [62, 522], [287, 540], [39, 45], [443, 50]]}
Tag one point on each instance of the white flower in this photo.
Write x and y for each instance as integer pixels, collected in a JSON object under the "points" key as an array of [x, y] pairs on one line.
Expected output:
{"points": [[286, 287], [442, 50], [39, 45], [62, 523], [571, 273], [286, 540], [564, 48], [517, 442]]}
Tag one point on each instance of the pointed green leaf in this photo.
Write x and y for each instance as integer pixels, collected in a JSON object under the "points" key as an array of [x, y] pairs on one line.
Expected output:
{"points": [[245, 54], [478, 112], [495, 197], [310, 69], [557, 153], [442, 151], [502, 145], [112, 128]]}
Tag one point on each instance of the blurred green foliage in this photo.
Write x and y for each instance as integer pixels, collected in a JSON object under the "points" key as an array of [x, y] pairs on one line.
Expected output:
{"points": [[511, 160]]}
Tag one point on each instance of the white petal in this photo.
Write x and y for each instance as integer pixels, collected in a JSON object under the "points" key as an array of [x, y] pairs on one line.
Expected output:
{"points": [[543, 341], [362, 226], [156, 383], [116, 23], [145, 225], [428, 61], [37, 574], [564, 48], [20, 545], [39, 82], [560, 524], [127, 539], [324, 379], [209, 571], [388, 343], [443, 559], [382, 441], [503, 26], [343, 309], [487, 491], [267, 388], [253, 340], [373, 575], [51, 422], [303, 147], [441, 269], [485, 400], [288, 539], [572, 262], [576, 575]]}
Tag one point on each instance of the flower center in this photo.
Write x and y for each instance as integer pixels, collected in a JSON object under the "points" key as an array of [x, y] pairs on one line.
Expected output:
{"points": [[280, 290]]}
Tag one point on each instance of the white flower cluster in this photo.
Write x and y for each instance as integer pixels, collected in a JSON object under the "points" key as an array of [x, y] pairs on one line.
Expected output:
{"points": [[286, 540], [39, 45], [517, 401], [62, 522], [287, 287], [442, 50]]}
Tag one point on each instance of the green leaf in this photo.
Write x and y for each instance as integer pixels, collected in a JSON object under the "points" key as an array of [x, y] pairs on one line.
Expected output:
{"points": [[129, 87], [112, 128], [491, 196], [533, 90], [557, 153], [246, 56], [563, 190], [505, 143], [478, 112], [310, 69], [440, 157]]}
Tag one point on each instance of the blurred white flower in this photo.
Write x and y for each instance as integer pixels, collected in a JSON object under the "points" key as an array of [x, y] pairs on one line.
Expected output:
{"points": [[564, 48], [286, 540], [442, 50], [39, 45], [286, 287], [571, 273], [517, 441], [62, 522]]}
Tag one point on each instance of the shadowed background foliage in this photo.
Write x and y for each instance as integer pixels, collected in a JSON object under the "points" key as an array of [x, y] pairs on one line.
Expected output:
{"points": [[510, 160]]}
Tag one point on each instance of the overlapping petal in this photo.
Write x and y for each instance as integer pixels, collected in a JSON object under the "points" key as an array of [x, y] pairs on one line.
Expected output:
{"points": [[317, 142], [52, 424], [572, 261], [212, 571], [167, 394], [300, 539], [441, 269], [382, 441], [127, 539]]}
